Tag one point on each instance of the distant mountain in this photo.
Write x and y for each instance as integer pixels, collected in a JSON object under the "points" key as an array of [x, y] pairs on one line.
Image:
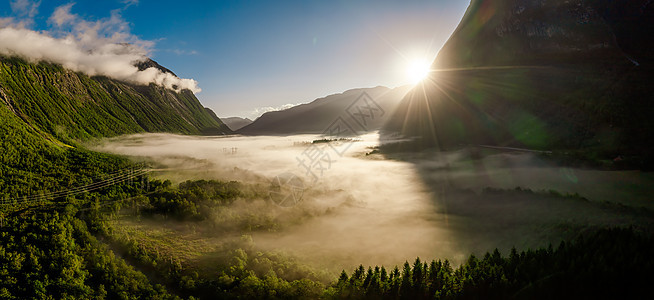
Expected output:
{"points": [[363, 109], [70, 106], [236, 123], [556, 74]]}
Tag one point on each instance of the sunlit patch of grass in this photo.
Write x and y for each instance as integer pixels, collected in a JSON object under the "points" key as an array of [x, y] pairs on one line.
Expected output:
{"points": [[186, 242], [203, 249]]}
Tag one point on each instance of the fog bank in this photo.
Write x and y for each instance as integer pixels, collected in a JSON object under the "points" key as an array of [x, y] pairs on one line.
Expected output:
{"points": [[371, 209]]}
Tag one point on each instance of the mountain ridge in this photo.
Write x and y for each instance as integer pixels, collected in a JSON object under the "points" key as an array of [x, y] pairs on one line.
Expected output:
{"points": [[542, 75], [317, 115], [236, 123]]}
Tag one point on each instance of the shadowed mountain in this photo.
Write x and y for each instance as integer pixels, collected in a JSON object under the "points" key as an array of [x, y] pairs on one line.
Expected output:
{"points": [[558, 74], [236, 123], [70, 106], [362, 109]]}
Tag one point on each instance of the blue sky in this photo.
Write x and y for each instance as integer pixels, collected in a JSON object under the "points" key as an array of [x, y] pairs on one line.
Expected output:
{"points": [[251, 56]]}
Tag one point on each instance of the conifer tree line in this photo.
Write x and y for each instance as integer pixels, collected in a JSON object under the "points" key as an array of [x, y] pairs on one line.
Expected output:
{"points": [[609, 264]]}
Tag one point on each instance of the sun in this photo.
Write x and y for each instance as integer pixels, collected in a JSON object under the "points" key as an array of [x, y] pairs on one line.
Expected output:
{"points": [[418, 70]]}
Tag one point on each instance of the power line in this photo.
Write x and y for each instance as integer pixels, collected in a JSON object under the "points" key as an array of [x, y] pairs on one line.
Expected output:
{"points": [[115, 178]]}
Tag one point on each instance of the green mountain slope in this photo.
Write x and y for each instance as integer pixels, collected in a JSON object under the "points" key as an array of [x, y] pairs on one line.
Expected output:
{"points": [[544, 75], [31, 165], [71, 106], [46, 110]]}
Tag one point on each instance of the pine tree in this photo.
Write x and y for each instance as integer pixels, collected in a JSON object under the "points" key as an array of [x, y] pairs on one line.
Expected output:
{"points": [[343, 279], [434, 281], [406, 285], [395, 280], [383, 280], [417, 278], [366, 281]]}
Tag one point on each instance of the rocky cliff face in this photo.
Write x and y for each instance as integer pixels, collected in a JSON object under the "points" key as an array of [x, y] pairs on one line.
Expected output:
{"points": [[68, 106], [547, 74]]}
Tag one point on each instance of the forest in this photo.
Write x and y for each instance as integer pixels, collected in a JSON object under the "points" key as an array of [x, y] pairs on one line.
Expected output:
{"points": [[73, 250], [76, 245]]}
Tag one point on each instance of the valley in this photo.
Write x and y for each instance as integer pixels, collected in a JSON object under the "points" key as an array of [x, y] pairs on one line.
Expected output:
{"points": [[444, 205], [484, 149]]}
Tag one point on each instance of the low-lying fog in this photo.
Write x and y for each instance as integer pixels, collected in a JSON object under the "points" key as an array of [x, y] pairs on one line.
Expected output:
{"points": [[371, 209]]}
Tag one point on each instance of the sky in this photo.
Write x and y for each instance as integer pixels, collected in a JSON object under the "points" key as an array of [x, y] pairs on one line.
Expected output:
{"points": [[248, 57]]}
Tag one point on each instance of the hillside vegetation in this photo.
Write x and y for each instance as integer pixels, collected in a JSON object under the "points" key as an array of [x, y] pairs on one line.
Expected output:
{"points": [[70, 106]]}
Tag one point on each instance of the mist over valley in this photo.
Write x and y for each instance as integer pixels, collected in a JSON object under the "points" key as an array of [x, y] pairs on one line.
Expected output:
{"points": [[380, 209], [482, 149]]}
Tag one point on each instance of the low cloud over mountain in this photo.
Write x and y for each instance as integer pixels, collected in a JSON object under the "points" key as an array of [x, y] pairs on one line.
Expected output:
{"points": [[104, 47]]}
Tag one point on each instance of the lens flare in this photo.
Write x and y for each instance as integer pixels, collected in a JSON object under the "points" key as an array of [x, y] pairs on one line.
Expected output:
{"points": [[418, 70]]}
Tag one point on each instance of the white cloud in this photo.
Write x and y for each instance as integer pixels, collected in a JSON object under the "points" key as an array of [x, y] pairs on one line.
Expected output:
{"points": [[257, 112], [103, 47], [129, 3], [23, 11], [94, 33], [182, 52], [62, 15], [25, 7], [6, 21]]}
